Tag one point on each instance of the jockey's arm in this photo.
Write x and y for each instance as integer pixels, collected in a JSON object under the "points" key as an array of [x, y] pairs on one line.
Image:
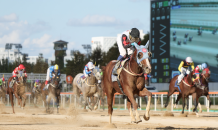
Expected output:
{"points": [[180, 66], [192, 66], [126, 44], [59, 73], [86, 70]]}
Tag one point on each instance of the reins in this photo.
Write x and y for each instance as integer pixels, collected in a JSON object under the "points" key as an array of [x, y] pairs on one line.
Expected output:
{"points": [[131, 72]]}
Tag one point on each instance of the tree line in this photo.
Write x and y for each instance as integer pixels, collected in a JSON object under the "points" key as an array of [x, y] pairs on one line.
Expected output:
{"points": [[73, 67]]}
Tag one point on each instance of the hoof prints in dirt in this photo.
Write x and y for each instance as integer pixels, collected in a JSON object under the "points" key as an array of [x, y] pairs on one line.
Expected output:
{"points": [[174, 128], [88, 125]]}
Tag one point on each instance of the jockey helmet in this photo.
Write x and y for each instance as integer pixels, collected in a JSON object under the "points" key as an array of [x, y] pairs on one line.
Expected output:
{"points": [[203, 66], [37, 80], [134, 34], [91, 66], [56, 67], [188, 60], [21, 67]]}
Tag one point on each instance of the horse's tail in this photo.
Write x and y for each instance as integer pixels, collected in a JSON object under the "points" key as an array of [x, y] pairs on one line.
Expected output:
{"points": [[76, 90]]}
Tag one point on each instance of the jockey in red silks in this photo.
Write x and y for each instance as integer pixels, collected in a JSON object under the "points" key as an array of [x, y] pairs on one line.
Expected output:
{"points": [[198, 70], [18, 70], [125, 45]]}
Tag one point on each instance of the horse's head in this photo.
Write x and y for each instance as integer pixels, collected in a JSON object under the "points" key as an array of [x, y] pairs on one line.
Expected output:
{"points": [[142, 57], [22, 78], [97, 72], [206, 74], [4, 85], [56, 79]]}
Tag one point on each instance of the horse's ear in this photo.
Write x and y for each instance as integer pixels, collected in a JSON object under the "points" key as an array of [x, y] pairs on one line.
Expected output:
{"points": [[146, 46]]}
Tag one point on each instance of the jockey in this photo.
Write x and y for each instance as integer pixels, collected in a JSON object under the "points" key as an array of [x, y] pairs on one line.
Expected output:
{"points": [[2, 80], [18, 70], [0, 83], [50, 71], [36, 84], [198, 70], [88, 69], [125, 45], [183, 68]]}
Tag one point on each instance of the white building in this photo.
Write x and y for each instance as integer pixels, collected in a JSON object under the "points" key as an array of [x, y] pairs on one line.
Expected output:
{"points": [[106, 42], [103, 42], [12, 54], [32, 59]]}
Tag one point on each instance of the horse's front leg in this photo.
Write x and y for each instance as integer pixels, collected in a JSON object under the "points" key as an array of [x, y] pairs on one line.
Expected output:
{"points": [[58, 98], [97, 102], [143, 93]]}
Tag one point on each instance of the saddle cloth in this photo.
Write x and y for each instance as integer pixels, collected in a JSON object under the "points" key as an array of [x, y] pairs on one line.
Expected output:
{"points": [[113, 77]]}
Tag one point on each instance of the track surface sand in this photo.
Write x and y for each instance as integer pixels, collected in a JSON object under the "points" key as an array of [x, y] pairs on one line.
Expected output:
{"points": [[71, 118]]}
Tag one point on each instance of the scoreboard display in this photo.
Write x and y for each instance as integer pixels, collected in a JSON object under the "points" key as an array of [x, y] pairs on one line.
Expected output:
{"points": [[160, 40]]}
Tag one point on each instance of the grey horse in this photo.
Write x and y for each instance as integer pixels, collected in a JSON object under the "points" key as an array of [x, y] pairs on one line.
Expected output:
{"points": [[89, 87]]}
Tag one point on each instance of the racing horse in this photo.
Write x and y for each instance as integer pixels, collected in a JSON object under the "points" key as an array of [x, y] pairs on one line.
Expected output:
{"points": [[3, 91], [53, 91], [89, 87], [201, 90], [185, 88], [132, 81], [18, 90], [35, 94]]}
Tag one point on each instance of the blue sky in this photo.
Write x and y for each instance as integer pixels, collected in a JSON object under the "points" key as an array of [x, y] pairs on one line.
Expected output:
{"points": [[36, 24]]}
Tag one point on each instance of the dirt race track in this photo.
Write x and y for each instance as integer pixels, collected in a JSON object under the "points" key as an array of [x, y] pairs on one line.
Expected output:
{"points": [[73, 119]]}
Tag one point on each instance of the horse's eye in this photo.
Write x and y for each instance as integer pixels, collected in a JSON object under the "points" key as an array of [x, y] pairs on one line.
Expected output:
{"points": [[139, 55]]}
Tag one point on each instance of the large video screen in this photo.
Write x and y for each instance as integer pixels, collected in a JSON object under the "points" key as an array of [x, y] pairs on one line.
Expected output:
{"points": [[192, 32]]}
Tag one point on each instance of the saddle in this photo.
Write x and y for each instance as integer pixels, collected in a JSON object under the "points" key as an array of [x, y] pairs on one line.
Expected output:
{"points": [[121, 67]]}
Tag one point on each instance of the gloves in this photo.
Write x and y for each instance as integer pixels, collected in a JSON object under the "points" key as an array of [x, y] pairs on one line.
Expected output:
{"points": [[133, 44]]}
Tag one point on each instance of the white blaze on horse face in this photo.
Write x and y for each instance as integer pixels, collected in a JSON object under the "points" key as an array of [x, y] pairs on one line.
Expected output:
{"points": [[148, 63]]}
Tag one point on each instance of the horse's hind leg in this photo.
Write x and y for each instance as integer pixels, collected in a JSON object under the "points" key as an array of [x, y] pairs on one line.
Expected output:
{"points": [[171, 91], [177, 100], [187, 103]]}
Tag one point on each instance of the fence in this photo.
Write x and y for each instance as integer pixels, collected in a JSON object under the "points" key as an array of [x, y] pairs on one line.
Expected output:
{"points": [[119, 102]]}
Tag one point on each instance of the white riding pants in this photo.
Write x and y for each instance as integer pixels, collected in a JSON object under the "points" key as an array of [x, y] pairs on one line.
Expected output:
{"points": [[182, 75]]}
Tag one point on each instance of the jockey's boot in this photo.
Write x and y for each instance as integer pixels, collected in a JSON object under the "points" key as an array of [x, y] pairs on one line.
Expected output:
{"points": [[115, 68], [12, 83]]}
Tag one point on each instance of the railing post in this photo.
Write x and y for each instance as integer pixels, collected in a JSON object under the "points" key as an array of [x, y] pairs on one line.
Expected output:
{"points": [[70, 98], [64, 100], [190, 103], [162, 100], [172, 102], [8, 99], [29, 99], [140, 102], [125, 100], [155, 102], [208, 109]]}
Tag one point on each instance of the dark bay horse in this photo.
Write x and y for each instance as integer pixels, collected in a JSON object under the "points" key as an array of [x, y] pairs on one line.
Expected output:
{"points": [[186, 87], [18, 90], [53, 91], [132, 81], [201, 90]]}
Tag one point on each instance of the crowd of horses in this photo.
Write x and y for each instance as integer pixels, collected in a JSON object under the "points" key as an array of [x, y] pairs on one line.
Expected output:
{"points": [[130, 82]]}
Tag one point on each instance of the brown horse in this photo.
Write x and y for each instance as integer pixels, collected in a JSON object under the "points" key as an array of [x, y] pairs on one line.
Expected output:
{"points": [[132, 81], [201, 90], [186, 87], [18, 90], [53, 91], [3, 91]]}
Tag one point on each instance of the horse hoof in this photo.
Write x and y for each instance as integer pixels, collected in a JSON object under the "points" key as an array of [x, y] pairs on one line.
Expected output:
{"points": [[133, 121], [95, 108], [146, 118], [138, 121]]}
